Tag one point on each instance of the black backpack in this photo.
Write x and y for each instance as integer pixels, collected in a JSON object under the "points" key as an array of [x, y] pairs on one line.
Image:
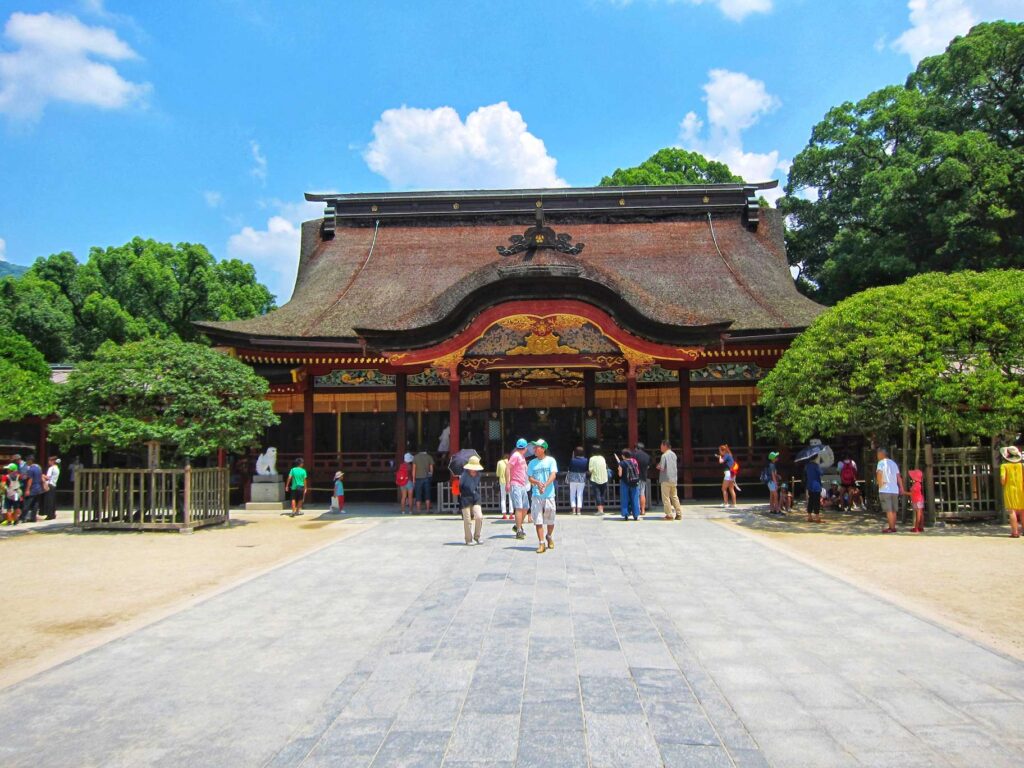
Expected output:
{"points": [[766, 473], [631, 472]]}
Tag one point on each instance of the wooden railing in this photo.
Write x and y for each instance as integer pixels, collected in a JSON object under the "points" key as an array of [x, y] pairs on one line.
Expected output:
{"points": [[151, 499], [353, 462]]}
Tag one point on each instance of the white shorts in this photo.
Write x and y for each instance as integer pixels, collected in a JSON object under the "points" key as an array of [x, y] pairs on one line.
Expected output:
{"points": [[542, 511], [728, 475]]}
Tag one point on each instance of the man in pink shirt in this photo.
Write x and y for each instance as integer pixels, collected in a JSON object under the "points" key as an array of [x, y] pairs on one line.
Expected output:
{"points": [[517, 486]]}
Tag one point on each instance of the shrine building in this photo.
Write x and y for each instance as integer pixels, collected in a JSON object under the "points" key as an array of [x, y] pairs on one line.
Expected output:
{"points": [[605, 315]]}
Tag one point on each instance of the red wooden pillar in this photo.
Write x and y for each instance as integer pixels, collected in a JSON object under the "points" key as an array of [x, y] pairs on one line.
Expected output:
{"points": [[401, 439], [453, 410], [632, 420], [221, 458], [686, 433], [308, 424]]}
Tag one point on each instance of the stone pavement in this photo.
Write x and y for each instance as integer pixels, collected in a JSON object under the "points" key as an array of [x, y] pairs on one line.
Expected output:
{"points": [[631, 644]]}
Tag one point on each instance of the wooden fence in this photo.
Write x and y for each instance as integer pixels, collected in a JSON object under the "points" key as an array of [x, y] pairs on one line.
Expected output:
{"points": [[964, 483], [151, 499]]}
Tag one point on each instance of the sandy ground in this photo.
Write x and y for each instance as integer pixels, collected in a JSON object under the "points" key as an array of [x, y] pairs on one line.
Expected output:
{"points": [[74, 591], [966, 577]]}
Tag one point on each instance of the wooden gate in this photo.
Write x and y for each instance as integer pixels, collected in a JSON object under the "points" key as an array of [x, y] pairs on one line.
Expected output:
{"points": [[964, 483]]}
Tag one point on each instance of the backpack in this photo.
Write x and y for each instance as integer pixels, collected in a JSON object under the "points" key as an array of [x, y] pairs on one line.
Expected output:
{"points": [[849, 475], [735, 468], [766, 473], [402, 475], [631, 472]]}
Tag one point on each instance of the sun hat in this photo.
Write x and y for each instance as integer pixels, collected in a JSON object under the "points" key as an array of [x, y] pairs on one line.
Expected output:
{"points": [[1011, 453], [521, 443], [407, 458], [916, 475], [540, 442], [338, 475], [773, 456], [474, 463]]}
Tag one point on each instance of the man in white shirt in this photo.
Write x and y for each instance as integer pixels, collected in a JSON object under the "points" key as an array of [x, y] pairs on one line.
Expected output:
{"points": [[890, 487]]}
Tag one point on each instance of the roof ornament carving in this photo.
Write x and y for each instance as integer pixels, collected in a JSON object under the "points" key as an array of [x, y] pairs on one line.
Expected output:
{"points": [[540, 236]]}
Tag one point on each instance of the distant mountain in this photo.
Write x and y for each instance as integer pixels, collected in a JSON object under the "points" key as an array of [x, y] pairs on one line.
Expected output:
{"points": [[11, 270]]}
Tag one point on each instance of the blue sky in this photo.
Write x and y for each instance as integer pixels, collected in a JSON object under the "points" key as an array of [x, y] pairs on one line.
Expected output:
{"points": [[206, 121]]}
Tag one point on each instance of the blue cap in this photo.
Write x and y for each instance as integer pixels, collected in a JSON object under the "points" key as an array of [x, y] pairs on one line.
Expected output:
{"points": [[521, 443]]}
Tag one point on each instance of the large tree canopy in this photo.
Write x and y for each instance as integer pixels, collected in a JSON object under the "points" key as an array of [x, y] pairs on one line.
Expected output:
{"points": [[143, 288], [672, 166], [943, 351], [25, 386], [177, 393], [928, 176]]}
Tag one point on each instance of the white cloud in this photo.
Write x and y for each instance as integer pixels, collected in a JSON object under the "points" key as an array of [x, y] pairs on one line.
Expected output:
{"points": [[735, 102], [934, 23], [54, 58], [434, 148], [3, 249], [274, 251], [259, 168], [213, 198], [737, 10]]}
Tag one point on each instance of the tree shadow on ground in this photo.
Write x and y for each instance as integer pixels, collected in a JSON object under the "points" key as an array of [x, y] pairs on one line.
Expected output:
{"points": [[857, 524]]}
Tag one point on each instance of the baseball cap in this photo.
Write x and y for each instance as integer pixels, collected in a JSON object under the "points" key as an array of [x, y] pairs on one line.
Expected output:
{"points": [[12, 467], [540, 443], [521, 443], [773, 456]]}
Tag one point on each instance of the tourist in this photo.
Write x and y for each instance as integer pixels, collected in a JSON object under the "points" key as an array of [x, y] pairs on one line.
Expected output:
{"points": [[812, 482], [403, 479], [339, 490], [577, 479], [598, 469], [444, 441], [643, 460], [469, 500], [890, 488], [668, 477], [517, 486], [1011, 477], [32, 477], [295, 486], [50, 485], [785, 498], [11, 482], [501, 471], [422, 474], [728, 463], [917, 497], [772, 480], [542, 472], [629, 485], [848, 478]]}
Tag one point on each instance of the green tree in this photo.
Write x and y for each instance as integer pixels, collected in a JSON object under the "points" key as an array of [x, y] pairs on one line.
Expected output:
{"points": [[126, 293], [180, 394], [672, 166], [928, 176], [943, 353], [25, 386]]}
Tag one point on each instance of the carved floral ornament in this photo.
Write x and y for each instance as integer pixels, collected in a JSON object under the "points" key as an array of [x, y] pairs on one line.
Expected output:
{"points": [[543, 336]]}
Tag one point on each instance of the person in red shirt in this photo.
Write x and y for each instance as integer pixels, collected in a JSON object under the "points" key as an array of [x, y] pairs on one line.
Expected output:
{"points": [[916, 495]]}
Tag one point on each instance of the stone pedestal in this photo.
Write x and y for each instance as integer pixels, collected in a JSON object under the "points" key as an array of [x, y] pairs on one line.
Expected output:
{"points": [[267, 493]]}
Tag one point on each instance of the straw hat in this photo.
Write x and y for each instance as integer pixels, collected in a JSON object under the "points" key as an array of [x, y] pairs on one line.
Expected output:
{"points": [[338, 475], [474, 463], [1011, 453]]}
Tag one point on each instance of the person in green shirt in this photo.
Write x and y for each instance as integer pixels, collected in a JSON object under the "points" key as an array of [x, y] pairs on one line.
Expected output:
{"points": [[295, 486]]}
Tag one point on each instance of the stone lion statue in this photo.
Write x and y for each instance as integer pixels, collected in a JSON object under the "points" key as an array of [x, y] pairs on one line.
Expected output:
{"points": [[266, 464]]}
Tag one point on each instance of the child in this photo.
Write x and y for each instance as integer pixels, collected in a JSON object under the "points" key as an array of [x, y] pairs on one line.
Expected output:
{"points": [[12, 495], [339, 490], [785, 499], [916, 495]]}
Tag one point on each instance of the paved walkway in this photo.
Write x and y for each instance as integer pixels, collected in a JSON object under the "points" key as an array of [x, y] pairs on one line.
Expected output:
{"points": [[631, 644]]}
